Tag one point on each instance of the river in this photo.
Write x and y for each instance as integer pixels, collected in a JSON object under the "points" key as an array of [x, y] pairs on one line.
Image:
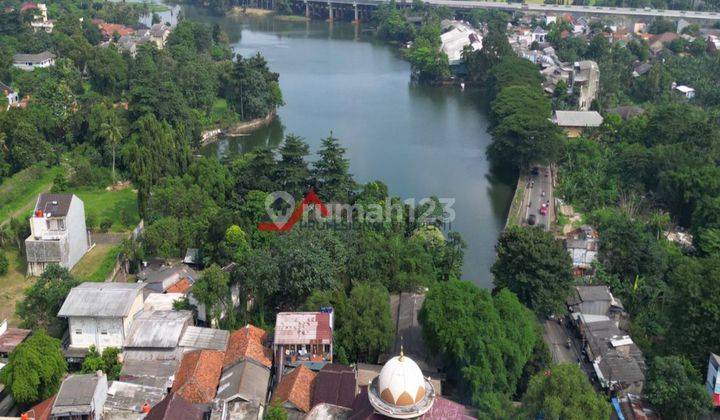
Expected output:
{"points": [[420, 141]]}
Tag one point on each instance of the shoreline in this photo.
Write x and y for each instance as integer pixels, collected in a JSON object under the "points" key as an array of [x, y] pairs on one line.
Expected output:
{"points": [[246, 127]]}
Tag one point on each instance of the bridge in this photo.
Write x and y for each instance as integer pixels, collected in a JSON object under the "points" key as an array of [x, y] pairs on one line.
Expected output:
{"points": [[357, 6]]}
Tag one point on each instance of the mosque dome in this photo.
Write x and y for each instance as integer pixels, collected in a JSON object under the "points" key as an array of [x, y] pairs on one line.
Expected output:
{"points": [[401, 382], [401, 390]]}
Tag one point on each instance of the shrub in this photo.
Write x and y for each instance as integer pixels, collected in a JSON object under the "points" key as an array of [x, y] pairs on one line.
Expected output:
{"points": [[4, 264], [105, 225]]}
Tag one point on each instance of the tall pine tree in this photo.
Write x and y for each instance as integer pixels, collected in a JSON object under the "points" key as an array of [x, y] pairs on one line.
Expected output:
{"points": [[292, 173], [332, 179]]}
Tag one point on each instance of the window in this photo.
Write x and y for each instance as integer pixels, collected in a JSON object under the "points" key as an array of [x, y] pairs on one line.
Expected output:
{"points": [[103, 332], [78, 331], [61, 224]]}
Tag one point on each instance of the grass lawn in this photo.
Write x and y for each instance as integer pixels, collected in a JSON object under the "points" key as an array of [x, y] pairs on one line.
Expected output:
{"points": [[13, 285], [120, 207], [97, 264], [19, 192], [219, 110]]}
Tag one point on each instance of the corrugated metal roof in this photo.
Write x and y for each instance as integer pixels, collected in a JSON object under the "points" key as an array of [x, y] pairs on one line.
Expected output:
{"points": [[161, 301], [204, 338], [76, 394], [303, 328], [101, 300], [247, 380], [157, 329], [127, 396], [578, 118]]}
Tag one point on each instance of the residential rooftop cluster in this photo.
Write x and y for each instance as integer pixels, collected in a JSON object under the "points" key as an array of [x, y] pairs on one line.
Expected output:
{"points": [[173, 369]]}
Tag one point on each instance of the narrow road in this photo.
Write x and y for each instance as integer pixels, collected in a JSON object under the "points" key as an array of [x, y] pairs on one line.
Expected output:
{"points": [[538, 191], [556, 338]]}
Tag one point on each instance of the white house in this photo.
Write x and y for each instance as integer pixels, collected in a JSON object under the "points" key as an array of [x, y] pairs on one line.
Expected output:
{"points": [[159, 33], [457, 38], [58, 234], [686, 91], [100, 314], [9, 94], [539, 34], [30, 62]]}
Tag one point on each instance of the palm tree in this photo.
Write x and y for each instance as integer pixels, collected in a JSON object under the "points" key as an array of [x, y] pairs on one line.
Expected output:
{"points": [[111, 133]]}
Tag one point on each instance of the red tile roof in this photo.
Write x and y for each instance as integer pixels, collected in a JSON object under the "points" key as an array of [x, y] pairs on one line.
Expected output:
{"points": [[296, 388], [247, 343], [182, 286], [197, 378], [42, 410], [27, 6], [109, 29]]}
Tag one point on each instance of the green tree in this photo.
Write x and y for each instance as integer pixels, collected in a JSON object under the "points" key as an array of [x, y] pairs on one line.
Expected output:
{"points": [[4, 264], [520, 99], [675, 388], [35, 369], [692, 309], [563, 392], [523, 139], [292, 173], [107, 362], [276, 412], [484, 341], [367, 327], [259, 273], [332, 179], [532, 264], [43, 300], [212, 289]]}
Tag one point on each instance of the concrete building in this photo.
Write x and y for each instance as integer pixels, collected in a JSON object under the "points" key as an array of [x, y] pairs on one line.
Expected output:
{"points": [[30, 62], [539, 34], [41, 22], [100, 315], [58, 234], [586, 81], [686, 91], [81, 397], [458, 36]]}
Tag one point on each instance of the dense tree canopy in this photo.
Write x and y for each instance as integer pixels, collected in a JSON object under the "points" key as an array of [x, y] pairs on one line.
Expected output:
{"points": [[673, 386], [35, 369], [532, 264], [42, 301], [564, 392], [484, 341]]}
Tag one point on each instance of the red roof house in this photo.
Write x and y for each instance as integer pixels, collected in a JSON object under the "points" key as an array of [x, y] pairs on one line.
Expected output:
{"points": [[302, 335], [197, 378], [295, 390], [40, 411], [247, 343]]}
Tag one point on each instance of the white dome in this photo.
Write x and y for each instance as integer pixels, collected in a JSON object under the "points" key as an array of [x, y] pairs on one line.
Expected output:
{"points": [[401, 382]]}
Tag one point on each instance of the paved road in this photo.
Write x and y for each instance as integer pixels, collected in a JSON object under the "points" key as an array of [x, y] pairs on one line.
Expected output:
{"points": [[538, 190], [556, 338], [544, 8]]}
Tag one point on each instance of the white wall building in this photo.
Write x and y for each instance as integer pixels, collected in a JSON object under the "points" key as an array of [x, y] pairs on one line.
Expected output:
{"points": [[456, 39], [9, 94], [712, 382], [100, 314], [58, 234], [30, 62]]}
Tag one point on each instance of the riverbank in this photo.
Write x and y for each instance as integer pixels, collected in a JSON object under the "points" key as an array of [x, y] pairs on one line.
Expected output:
{"points": [[248, 11], [235, 130]]}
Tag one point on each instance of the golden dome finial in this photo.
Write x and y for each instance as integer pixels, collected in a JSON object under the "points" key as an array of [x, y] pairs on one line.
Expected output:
{"points": [[402, 354]]}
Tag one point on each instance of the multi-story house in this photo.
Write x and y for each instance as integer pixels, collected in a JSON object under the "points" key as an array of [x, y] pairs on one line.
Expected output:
{"points": [[58, 234], [100, 315]]}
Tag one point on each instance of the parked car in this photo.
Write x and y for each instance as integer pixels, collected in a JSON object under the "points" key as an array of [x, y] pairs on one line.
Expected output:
{"points": [[531, 220]]}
